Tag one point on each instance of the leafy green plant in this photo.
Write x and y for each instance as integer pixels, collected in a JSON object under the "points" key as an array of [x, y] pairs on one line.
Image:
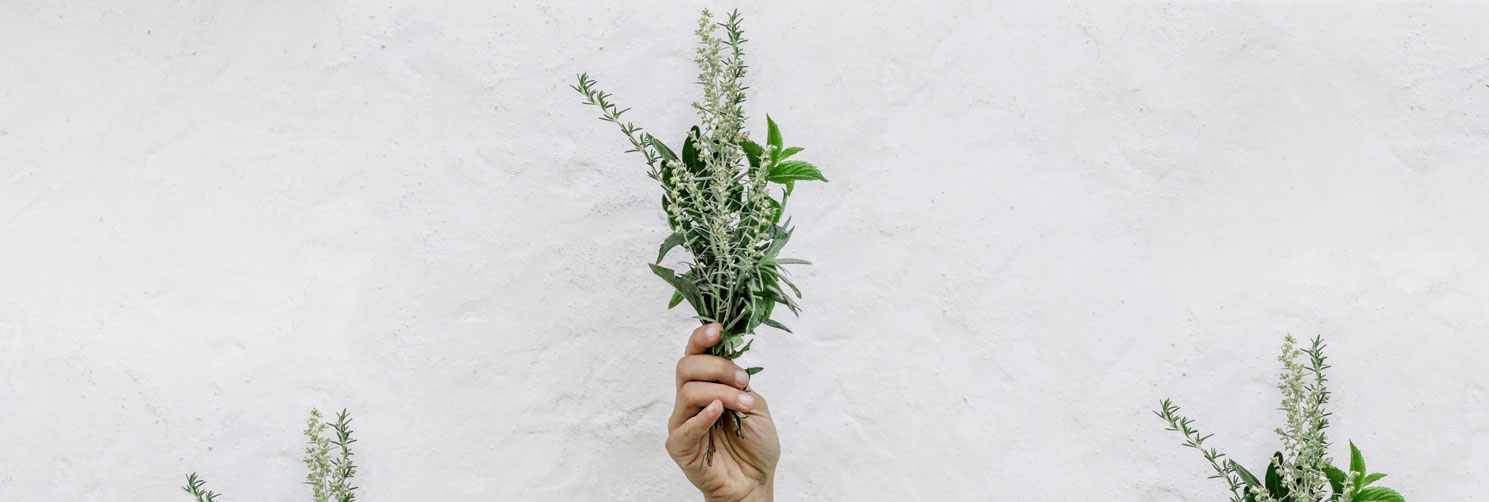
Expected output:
{"points": [[718, 194], [1302, 472], [331, 470]]}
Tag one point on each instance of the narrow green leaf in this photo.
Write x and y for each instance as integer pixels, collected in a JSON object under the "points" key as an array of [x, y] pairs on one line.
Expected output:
{"points": [[1356, 460], [754, 370], [773, 133], [676, 299], [683, 284], [672, 241], [791, 261], [772, 323]]}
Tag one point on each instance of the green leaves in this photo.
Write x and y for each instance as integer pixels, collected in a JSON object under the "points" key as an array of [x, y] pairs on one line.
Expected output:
{"points": [[1378, 494], [772, 323], [194, 488], [1298, 473], [1361, 481], [672, 241], [683, 285], [780, 170], [752, 151], [719, 196], [794, 170], [773, 133]]}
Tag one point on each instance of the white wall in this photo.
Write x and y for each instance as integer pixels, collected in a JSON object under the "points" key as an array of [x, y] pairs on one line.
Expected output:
{"points": [[1042, 219]]}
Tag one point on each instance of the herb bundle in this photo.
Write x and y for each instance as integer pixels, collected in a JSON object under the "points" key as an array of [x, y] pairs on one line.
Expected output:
{"points": [[1302, 472], [330, 470], [720, 199]]}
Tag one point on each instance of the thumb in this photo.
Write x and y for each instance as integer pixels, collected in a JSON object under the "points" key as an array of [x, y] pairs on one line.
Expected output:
{"points": [[685, 438]]}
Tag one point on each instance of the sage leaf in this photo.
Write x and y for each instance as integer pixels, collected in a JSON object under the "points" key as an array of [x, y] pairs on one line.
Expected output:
{"points": [[672, 241]]}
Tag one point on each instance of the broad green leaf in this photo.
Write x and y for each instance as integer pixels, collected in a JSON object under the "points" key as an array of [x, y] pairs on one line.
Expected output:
{"points": [[1367, 480], [1274, 481], [1336, 478], [773, 133], [787, 153], [690, 151], [672, 241], [1246, 476], [1378, 494], [661, 148], [793, 170], [752, 151], [772, 323], [775, 209], [1356, 460]]}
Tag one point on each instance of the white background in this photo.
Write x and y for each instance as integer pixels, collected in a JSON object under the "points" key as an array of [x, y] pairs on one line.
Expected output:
{"points": [[1042, 220]]}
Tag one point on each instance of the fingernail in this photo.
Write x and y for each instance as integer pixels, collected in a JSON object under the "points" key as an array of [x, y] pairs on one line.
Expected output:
{"points": [[713, 406], [713, 330], [747, 402], [741, 378]]}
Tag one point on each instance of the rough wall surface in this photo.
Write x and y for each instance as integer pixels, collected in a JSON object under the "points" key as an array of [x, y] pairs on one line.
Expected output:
{"points": [[1043, 218]]}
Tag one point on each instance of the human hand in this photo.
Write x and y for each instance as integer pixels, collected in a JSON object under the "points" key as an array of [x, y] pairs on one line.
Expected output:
{"points": [[744, 460]]}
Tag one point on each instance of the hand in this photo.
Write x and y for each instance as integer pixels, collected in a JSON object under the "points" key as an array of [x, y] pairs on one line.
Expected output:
{"points": [[744, 460]]}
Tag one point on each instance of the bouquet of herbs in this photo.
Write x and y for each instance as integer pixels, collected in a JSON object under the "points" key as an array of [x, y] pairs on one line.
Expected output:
{"points": [[1303, 471], [330, 471], [724, 195]]}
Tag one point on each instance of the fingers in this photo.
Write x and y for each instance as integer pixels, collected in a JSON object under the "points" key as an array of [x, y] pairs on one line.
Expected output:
{"points": [[702, 338], [695, 395], [707, 368], [684, 438]]}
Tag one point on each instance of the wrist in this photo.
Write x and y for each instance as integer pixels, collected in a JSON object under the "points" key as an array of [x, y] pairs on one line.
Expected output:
{"points": [[763, 492]]}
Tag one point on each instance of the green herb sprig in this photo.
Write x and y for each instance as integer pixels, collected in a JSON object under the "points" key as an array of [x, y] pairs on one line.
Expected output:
{"points": [[1302, 472], [330, 471], [720, 196]]}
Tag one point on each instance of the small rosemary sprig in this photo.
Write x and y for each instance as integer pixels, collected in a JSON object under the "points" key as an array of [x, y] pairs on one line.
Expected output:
{"points": [[194, 487]]}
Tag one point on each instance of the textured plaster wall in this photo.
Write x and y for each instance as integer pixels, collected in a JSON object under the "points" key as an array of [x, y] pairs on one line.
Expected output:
{"points": [[1043, 218]]}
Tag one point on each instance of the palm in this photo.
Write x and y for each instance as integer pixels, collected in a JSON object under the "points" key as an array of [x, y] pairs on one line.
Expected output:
{"points": [[741, 462]]}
